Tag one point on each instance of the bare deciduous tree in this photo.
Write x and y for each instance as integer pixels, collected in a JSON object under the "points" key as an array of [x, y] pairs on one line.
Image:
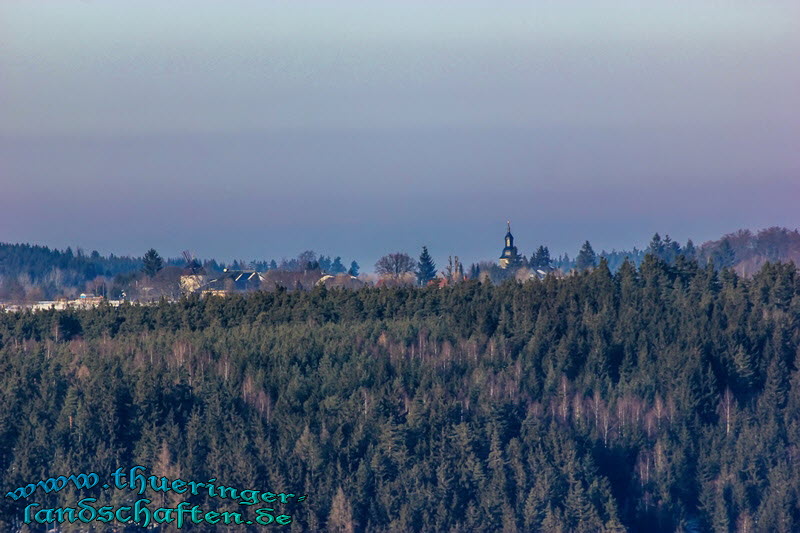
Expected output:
{"points": [[395, 265]]}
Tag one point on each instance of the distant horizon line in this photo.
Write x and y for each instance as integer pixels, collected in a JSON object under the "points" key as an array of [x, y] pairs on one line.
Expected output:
{"points": [[278, 259]]}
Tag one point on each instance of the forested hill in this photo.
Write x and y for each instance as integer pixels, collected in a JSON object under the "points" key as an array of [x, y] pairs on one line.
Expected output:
{"points": [[747, 252], [743, 250], [650, 400], [51, 269]]}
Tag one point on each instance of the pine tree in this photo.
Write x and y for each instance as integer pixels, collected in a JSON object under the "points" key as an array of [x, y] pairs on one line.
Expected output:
{"points": [[671, 250], [720, 519], [353, 269], [656, 247], [341, 517], [724, 256], [540, 259], [337, 267], [776, 388], [586, 257], [152, 263], [553, 521], [474, 271], [426, 268], [744, 368], [689, 251]]}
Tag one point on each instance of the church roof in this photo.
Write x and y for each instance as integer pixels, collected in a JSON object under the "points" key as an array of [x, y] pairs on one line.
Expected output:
{"points": [[509, 250]]}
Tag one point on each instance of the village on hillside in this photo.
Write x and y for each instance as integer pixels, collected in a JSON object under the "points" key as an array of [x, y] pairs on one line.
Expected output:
{"points": [[152, 280], [170, 282]]}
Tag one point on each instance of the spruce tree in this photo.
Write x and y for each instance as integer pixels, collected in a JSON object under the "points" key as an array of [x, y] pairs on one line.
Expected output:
{"points": [[337, 267], [586, 257], [671, 250], [341, 516], [152, 263], [724, 256], [541, 258], [656, 247], [353, 269], [426, 268], [689, 250]]}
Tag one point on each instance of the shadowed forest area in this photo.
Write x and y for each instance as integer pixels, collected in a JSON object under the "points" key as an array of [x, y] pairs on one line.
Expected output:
{"points": [[659, 398]]}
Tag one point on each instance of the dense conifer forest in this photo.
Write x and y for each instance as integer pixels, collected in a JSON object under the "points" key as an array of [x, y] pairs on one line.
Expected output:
{"points": [[659, 398]]}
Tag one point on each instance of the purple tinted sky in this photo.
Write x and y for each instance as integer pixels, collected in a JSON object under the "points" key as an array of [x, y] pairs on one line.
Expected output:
{"points": [[261, 129]]}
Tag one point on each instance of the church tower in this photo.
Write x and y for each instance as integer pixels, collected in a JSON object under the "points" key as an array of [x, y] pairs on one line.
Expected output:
{"points": [[509, 256]]}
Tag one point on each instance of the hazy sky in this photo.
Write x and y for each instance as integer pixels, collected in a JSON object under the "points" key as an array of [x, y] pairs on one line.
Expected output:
{"points": [[260, 129]]}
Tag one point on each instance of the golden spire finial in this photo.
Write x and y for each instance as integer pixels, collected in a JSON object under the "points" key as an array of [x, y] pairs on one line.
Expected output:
{"points": [[509, 225]]}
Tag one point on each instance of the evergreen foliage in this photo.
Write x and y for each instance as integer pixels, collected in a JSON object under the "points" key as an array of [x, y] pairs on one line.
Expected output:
{"points": [[152, 263], [658, 398], [336, 266], [540, 259], [586, 257], [426, 268]]}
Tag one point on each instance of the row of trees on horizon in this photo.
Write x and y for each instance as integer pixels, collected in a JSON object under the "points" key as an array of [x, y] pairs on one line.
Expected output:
{"points": [[31, 273]]}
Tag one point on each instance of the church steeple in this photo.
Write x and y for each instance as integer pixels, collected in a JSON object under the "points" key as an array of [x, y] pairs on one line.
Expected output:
{"points": [[509, 255]]}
